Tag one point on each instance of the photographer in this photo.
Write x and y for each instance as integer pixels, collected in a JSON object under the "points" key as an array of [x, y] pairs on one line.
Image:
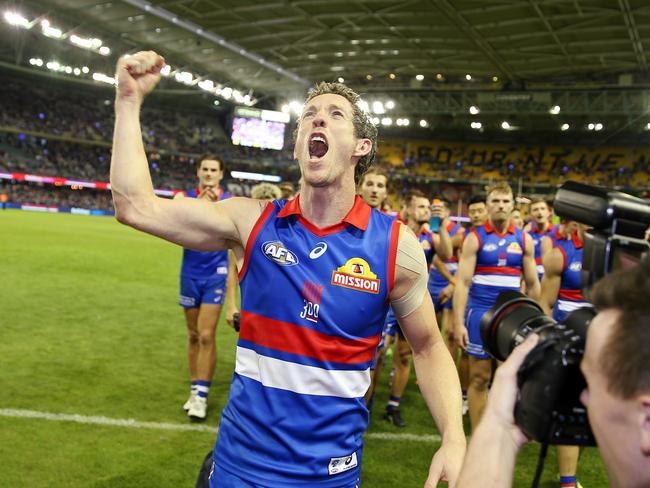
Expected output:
{"points": [[615, 366]]}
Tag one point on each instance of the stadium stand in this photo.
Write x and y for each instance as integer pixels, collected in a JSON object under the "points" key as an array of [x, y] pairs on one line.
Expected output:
{"points": [[47, 130]]}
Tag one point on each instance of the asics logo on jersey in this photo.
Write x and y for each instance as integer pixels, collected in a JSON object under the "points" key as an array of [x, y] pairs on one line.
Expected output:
{"points": [[338, 465], [319, 250], [279, 254]]}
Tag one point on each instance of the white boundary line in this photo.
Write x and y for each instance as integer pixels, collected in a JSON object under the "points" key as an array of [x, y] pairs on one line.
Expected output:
{"points": [[100, 420], [136, 424]]}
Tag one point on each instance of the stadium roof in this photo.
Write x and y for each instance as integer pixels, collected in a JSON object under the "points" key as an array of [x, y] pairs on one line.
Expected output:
{"points": [[513, 60]]}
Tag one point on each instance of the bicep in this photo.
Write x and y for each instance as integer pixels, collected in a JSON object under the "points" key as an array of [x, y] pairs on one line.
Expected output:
{"points": [[420, 327], [467, 262], [199, 224]]}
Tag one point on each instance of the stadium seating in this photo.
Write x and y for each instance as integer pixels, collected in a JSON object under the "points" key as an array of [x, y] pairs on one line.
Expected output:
{"points": [[51, 130]]}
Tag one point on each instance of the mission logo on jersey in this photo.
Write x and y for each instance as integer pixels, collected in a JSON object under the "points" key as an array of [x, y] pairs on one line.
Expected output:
{"points": [[279, 254], [514, 248], [356, 275]]}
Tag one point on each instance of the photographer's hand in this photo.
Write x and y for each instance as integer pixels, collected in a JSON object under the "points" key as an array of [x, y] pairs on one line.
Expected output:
{"points": [[493, 449]]}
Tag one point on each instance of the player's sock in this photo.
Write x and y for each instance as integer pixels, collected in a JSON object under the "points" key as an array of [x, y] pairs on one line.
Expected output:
{"points": [[393, 403], [188, 403], [568, 481], [202, 388]]}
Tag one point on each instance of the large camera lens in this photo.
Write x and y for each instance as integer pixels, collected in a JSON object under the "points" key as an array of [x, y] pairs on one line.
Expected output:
{"points": [[513, 318]]}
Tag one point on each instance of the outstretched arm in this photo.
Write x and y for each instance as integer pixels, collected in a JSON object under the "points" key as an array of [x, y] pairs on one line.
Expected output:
{"points": [[437, 376], [192, 223]]}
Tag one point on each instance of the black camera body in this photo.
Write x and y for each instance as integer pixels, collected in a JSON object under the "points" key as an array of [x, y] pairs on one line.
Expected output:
{"points": [[618, 224], [548, 407]]}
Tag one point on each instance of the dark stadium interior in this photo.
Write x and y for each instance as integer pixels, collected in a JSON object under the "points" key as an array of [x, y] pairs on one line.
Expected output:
{"points": [[464, 93], [523, 60]]}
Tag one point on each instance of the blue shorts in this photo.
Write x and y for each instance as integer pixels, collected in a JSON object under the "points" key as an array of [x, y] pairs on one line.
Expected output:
{"points": [[220, 478], [194, 293], [473, 324]]}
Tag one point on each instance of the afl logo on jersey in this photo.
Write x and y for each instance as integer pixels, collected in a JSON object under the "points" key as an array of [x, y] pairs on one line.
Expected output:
{"points": [[356, 275], [490, 247], [576, 266], [279, 254]]}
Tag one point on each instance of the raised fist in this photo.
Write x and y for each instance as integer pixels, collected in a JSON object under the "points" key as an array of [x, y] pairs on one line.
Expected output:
{"points": [[137, 75]]}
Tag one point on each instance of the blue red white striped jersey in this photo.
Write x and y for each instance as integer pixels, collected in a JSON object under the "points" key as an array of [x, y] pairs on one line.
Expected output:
{"points": [[556, 237], [570, 296], [312, 311], [426, 241], [538, 236], [499, 263], [201, 265], [436, 281]]}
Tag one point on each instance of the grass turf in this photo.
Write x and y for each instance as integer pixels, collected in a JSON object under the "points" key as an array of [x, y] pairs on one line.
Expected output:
{"points": [[89, 325]]}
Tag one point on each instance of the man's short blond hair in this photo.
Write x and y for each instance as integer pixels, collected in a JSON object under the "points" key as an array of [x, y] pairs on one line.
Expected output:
{"points": [[266, 191], [498, 187]]}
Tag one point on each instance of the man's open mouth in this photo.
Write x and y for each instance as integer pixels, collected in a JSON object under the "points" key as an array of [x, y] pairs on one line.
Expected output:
{"points": [[318, 145]]}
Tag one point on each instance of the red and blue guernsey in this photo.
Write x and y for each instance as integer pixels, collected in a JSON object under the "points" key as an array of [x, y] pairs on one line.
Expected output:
{"points": [[312, 311], [436, 281], [426, 241], [570, 296], [498, 268], [538, 236], [203, 265], [557, 238]]}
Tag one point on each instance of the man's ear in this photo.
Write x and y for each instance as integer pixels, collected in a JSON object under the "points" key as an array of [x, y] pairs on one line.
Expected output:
{"points": [[643, 403], [363, 147]]}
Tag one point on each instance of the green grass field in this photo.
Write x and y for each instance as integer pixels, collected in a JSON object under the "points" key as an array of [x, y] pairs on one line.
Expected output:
{"points": [[89, 326]]}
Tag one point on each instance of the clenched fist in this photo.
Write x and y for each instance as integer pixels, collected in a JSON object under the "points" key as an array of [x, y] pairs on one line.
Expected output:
{"points": [[137, 75]]}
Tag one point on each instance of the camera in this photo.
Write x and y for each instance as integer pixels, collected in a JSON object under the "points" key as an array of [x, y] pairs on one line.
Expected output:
{"points": [[548, 407]]}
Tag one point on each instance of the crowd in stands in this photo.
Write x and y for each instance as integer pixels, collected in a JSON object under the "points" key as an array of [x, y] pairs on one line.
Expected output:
{"points": [[88, 115], [553, 165], [57, 196], [52, 130]]}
